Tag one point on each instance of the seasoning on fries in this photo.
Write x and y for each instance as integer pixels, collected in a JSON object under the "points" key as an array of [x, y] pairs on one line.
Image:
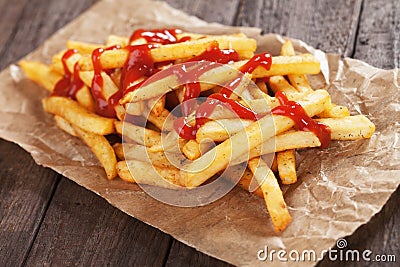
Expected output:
{"points": [[188, 106]]}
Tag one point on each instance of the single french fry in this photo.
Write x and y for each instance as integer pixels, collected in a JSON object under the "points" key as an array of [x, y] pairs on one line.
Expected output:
{"points": [[273, 196], [349, 128], [279, 83], [299, 82], [157, 105], [258, 132], [64, 125], [284, 65], [142, 173], [286, 161], [274, 165], [78, 115], [116, 58], [138, 134], [263, 87], [192, 150], [335, 111], [171, 142], [128, 151], [101, 148], [246, 180], [285, 141], [40, 73], [281, 65], [164, 121], [220, 130]]}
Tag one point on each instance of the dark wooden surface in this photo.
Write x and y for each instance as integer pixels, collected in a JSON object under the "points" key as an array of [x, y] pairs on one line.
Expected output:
{"points": [[46, 219]]}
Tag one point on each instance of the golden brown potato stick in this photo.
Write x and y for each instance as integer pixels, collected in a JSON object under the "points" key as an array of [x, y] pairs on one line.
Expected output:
{"points": [[262, 86], [40, 73], [272, 194], [287, 140], [300, 82], [349, 128], [274, 165], [192, 150], [279, 83], [128, 151], [164, 121], [281, 65], [116, 58], [64, 125], [286, 161], [78, 115], [246, 180], [335, 111], [101, 148], [220, 130], [258, 132], [157, 105], [138, 134], [142, 173]]}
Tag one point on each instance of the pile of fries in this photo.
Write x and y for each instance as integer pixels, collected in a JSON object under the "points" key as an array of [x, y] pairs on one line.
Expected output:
{"points": [[101, 90]]}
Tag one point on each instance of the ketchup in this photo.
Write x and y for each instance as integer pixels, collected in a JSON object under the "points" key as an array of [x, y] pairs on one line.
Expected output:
{"points": [[302, 121], [264, 60], [70, 83], [159, 36], [103, 107], [204, 111], [214, 54], [138, 64]]}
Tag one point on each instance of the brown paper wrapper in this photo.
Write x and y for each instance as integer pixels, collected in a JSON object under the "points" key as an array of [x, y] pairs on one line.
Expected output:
{"points": [[340, 188]]}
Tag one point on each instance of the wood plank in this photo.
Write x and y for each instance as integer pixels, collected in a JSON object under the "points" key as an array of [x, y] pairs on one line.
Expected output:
{"points": [[25, 189], [38, 20], [379, 34], [10, 16], [378, 44], [81, 228], [182, 255], [208, 10], [327, 25]]}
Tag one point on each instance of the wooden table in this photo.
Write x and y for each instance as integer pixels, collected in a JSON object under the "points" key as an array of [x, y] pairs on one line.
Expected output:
{"points": [[45, 219]]}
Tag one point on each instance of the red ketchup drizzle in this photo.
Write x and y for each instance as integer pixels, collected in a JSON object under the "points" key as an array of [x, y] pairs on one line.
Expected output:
{"points": [[103, 107], [204, 111], [302, 121], [70, 84], [138, 64], [261, 60], [209, 57], [159, 36]]}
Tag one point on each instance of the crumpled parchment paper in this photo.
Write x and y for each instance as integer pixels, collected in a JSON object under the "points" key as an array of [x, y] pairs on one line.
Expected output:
{"points": [[339, 188]]}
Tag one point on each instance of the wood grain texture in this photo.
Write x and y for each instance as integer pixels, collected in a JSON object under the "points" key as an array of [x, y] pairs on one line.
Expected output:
{"points": [[182, 255], [38, 20], [209, 10], [80, 228], [327, 25], [25, 190], [378, 40]]}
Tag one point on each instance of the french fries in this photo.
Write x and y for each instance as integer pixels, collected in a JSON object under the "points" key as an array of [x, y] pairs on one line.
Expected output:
{"points": [[121, 90], [77, 115]]}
